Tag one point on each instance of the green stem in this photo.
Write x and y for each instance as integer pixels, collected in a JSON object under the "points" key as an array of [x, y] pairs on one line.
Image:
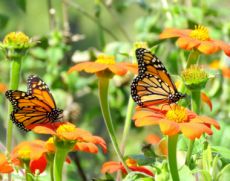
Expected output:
{"points": [[195, 101], [51, 163], [13, 85], [28, 174], [103, 85], [59, 159], [193, 58], [195, 94], [127, 124], [172, 157]]}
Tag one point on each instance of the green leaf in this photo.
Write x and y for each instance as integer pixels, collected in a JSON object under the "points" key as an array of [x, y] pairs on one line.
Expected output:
{"points": [[224, 152], [226, 170], [205, 174], [185, 172], [207, 158], [137, 176], [21, 4], [3, 20]]}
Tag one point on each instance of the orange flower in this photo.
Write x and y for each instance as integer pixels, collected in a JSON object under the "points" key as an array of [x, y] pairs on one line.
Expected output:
{"points": [[112, 166], [66, 131], [5, 167], [32, 151], [152, 139], [104, 62], [196, 39], [175, 120], [3, 88]]}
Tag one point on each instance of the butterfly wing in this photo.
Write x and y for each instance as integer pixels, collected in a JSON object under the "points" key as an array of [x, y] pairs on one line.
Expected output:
{"points": [[147, 89], [27, 109], [149, 63], [38, 88], [153, 85]]}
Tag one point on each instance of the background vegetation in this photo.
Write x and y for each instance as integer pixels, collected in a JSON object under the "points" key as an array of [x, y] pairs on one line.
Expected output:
{"points": [[71, 31]]}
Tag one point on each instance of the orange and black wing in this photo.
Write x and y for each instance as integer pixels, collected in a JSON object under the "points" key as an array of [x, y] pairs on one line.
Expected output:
{"points": [[27, 109], [38, 88], [148, 63], [148, 89], [153, 85]]}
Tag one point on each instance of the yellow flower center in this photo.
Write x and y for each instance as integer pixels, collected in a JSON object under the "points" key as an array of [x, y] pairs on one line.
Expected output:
{"points": [[200, 33], [105, 59], [65, 128], [24, 153], [177, 114], [16, 38], [131, 162]]}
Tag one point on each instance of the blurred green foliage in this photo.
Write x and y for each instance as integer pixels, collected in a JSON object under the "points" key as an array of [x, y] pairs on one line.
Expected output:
{"points": [[78, 30]]}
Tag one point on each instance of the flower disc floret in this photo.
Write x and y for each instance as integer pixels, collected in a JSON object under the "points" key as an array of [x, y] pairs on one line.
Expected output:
{"points": [[177, 114], [106, 59], [16, 38], [200, 33]]}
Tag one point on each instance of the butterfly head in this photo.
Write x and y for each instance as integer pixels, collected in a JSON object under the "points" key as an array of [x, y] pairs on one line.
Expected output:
{"points": [[55, 114], [176, 97]]}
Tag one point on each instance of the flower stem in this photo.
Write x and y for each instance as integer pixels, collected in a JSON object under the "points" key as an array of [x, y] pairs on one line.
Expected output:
{"points": [[59, 160], [172, 157], [195, 101], [193, 58], [127, 124], [195, 94], [28, 174], [15, 68], [103, 85]]}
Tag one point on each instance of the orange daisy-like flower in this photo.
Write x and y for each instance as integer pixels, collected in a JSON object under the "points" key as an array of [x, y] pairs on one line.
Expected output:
{"points": [[66, 131], [5, 166], [112, 166], [32, 151], [175, 120], [104, 62], [196, 39]]}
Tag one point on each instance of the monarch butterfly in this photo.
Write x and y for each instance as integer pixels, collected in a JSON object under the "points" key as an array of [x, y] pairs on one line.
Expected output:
{"points": [[153, 85], [36, 106]]}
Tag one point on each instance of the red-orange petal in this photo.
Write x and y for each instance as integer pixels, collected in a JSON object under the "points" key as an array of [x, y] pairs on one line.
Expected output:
{"points": [[206, 99], [169, 127], [4, 165], [111, 167], [43, 130], [141, 169], [95, 67], [39, 164], [79, 67], [130, 66], [194, 130], [117, 69], [146, 121], [187, 43], [145, 113], [208, 47], [207, 120], [86, 147], [152, 139], [224, 46], [173, 32]]}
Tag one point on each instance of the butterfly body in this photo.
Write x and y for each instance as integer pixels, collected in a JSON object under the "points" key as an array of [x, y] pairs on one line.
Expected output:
{"points": [[153, 85], [36, 106]]}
